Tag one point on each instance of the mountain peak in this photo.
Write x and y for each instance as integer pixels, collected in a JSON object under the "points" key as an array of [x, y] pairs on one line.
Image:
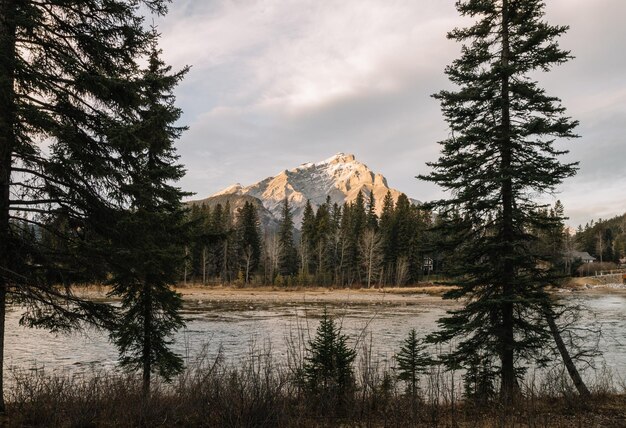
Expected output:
{"points": [[340, 178], [340, 157], [235, 189]]}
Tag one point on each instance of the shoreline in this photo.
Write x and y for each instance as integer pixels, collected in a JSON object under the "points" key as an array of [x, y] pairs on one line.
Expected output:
{"points": [[392, 295], [268, 294]]}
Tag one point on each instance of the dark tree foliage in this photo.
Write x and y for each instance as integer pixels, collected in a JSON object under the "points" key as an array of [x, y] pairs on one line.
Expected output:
{"points": [[499, 156], [328, 368], [307, 239], [357, 216], [372, 218], [205, 247], [67, 79], [288, 260], [606, 238], [389, 236], [335, 242], [412, 362], [479, 379], [248, 240], [200, 221], [332, 248], [551, 238], [150, 235], [323, 249]]}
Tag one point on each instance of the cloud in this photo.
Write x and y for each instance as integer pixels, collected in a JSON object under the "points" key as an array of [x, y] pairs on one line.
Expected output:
{"points": [[275, 83]]}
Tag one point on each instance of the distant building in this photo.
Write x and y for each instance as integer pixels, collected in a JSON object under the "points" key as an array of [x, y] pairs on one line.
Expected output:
{"points": [[428, 264], [583, 256]]}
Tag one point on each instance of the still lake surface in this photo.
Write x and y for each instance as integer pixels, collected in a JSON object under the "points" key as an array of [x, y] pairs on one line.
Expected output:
{"points": [[237, 327]]}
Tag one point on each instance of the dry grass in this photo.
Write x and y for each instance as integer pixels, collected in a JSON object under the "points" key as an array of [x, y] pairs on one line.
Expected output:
{"points": [[259, 392]]}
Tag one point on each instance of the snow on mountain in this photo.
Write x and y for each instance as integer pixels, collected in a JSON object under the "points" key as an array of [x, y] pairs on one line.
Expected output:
{"points": [[340, 177]]}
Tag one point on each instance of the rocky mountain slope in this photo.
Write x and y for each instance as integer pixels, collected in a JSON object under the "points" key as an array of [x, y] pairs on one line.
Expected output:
{"points": [[340, 177]]}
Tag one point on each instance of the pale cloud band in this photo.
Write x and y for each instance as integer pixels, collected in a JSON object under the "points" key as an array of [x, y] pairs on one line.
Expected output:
{"points": [[276, 83]]}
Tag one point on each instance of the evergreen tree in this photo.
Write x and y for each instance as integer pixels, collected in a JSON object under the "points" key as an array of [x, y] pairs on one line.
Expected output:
{"points": [[288, 259], [248, 240], [372, 218], [345, 239], [335, 243], [196, 243], [323, 229], [68, 77], [229, 246], [412, 361], [328, 363], [358, 223], [307, 239], [500, 153], [405, 229], [417, 241], [610, 235], [551, 236], [151, 234], [207, 235], [215, 238], [388, 236]]}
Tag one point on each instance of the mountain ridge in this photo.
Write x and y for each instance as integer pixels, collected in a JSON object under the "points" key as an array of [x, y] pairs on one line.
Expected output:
{"points": [[340, 177]]}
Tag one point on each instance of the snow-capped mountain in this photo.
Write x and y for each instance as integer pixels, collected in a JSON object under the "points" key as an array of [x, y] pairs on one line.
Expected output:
{"points": [[340, 177]]}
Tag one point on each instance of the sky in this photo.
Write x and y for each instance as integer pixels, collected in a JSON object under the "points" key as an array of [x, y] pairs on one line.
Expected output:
{"points": [[277, 83]]}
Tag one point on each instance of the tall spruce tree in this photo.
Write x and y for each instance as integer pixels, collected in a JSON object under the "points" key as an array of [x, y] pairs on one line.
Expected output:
{"points": [[151, 234], [323, 230], [288, 254], [307, 239], [248, 240], [218, 219], [499, 156], [67, 73], [388, 236], [358, 223], [372, 218], [335, 243]]}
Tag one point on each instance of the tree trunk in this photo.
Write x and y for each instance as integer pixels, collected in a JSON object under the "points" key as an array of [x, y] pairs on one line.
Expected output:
{"points": [[204, 265], [248, 257], [369, 273], [567, 359], [185, 274], [147, 343], [7, 143], [509, 384]]}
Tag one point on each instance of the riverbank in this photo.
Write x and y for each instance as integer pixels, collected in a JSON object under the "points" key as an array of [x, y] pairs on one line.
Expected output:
{"points": [[601, 284], [400, 295], [423, 294]]}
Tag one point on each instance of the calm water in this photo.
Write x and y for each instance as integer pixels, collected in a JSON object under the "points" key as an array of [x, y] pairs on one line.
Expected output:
{"points": [[238, 327]]}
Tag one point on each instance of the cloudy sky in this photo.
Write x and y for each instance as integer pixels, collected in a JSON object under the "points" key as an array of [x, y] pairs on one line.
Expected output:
{"points": [[276, 83]]}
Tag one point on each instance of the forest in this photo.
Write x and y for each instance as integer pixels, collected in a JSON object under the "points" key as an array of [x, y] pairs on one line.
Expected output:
{"points": [[335, 245], [341, 246]]}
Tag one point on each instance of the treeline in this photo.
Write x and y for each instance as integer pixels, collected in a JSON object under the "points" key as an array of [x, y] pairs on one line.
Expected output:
{"points": [[345, 245], [604, 239]]}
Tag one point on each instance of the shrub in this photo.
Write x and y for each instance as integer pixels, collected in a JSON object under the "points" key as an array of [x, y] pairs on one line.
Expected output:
{"points": [[587, 269]]}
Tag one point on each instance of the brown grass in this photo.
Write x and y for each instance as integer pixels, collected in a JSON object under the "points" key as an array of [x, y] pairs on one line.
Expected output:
{"points": [[260, 392]]}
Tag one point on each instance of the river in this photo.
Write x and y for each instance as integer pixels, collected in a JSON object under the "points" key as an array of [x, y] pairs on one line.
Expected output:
{"points": [[239, 326]]}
